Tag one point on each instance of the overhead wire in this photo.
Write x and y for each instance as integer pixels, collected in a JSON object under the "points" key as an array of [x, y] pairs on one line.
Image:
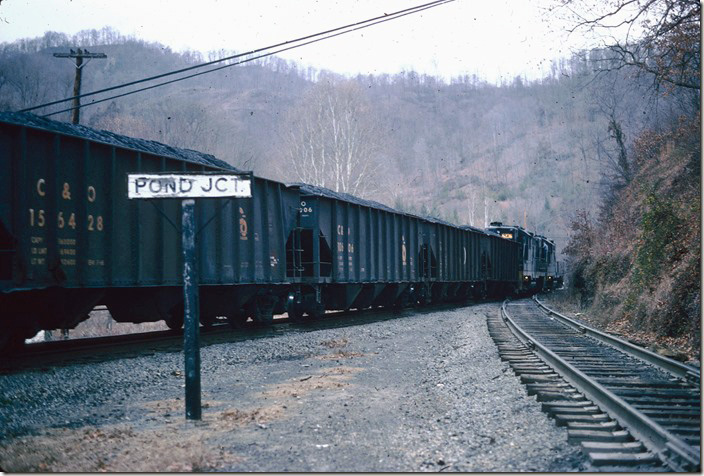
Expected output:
{"points": [[296, 43], [385, 19]]}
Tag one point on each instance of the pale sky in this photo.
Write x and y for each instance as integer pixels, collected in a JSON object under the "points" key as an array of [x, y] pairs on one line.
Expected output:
{"points": [[493, 39]]}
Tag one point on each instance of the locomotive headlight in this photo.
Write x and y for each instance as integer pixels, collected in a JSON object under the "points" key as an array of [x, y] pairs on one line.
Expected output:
{"points": [[526, 278]]}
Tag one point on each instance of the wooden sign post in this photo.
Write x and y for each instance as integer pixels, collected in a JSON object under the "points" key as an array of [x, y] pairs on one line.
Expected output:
{"points": [[188, 187]]}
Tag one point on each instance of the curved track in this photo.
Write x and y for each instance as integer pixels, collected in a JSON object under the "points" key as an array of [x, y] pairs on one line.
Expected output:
{"points": [[627, 406]]}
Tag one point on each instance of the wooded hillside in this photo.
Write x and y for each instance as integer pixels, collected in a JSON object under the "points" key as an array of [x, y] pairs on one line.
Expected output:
{"points": [[467, 151], [636, 264]]}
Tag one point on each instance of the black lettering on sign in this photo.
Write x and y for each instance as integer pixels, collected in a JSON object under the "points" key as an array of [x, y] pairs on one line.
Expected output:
{"points": [[185, 184], [219, 182], [140, 183], [155, 186]]}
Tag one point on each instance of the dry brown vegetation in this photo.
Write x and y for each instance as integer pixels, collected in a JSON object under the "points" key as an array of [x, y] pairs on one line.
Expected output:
{"points": [[172, 447], [636, 269], [162, 441]]}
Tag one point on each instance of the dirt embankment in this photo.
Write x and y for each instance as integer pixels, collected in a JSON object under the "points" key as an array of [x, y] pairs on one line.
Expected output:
{"points": [[636, 269]]}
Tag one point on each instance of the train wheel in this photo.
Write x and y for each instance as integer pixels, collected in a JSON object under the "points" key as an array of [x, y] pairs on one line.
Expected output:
{"points": [[11, 342], [295, 312], [236, 320], [174, 323], [174, 318], [263, 316], [316, 310], [207, 321], [403, 300], [423, 296], [263, 310]]}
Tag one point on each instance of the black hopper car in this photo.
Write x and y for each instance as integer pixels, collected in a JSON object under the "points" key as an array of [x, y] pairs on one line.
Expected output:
{"points": [[70, 240]]}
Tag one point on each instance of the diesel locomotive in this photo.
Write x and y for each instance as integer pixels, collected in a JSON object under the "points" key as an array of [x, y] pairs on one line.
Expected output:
{"points": [[540, 270], [70, 239]]}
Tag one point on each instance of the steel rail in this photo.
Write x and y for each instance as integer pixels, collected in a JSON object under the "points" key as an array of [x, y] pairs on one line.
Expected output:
{"points": [[675, 368], [652, 435], [68, 350]]}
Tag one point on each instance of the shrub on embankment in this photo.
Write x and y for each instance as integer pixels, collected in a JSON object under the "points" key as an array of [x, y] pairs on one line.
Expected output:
{"points": [[637, 267]]}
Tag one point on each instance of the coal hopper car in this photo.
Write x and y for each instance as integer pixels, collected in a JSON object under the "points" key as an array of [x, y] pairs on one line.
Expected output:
{"points": [[351, 253], [70, 239], [347, 252]]}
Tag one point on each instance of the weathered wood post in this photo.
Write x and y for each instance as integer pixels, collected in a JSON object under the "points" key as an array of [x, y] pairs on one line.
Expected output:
{"points": [[191, 324], [187, 187]]}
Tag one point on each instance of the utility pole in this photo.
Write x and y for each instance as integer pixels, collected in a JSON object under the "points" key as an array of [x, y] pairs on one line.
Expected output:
{"points": [[79, 54]]}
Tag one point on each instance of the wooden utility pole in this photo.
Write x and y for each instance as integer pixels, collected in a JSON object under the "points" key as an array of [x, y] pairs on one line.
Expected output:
{"points": [[79, 54]]}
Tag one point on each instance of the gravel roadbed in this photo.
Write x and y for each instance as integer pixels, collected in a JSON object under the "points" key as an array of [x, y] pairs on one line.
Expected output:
{"points": [[422, 392]]}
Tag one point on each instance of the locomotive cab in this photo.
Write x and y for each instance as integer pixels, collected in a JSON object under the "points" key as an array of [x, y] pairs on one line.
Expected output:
{"points": [[551, 263], [532, 273]]}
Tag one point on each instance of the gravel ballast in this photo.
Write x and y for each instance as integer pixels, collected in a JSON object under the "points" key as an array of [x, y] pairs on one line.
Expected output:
{"points": [[422, 392]]}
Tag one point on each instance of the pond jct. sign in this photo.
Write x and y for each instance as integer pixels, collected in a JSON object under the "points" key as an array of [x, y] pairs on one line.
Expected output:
{"points": [[188, 186]]}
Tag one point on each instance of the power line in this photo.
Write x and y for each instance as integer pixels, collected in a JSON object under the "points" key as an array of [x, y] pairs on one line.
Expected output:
{"points": [[385, 19], [331, 33]]}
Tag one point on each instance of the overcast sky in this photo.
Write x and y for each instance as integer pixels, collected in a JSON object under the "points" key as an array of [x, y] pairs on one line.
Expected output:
{"points": [[491, 38]]}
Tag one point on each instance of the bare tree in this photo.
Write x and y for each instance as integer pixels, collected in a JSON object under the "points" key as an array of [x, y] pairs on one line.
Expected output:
{"points": [[486, 212], [611, 97], [29, 88], [333, 140], [661, 36], [472, 207], [306, 146]]}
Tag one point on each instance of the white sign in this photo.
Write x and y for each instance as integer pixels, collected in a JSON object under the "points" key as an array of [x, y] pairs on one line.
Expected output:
{"points": [[188, 186]]}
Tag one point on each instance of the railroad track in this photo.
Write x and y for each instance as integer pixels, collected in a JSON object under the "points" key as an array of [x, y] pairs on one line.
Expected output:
{"points": [[628, 407], [45, 355]]}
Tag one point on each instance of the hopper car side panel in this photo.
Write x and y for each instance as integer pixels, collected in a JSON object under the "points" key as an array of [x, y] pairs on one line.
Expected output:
{"points": [[70, 238]]}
